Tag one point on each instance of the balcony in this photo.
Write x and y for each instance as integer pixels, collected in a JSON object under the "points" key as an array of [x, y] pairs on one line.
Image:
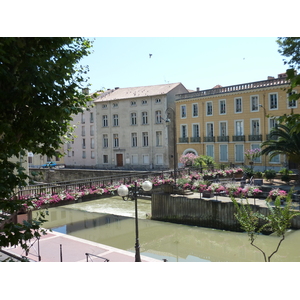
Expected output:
{"points": [[183, 140], [195, 139], [222, 138], [255, 137], [238, 138], [209, 139]]}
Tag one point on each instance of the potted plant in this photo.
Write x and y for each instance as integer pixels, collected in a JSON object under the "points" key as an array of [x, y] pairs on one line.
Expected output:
{"points": [[270, 174], [273, 194]]}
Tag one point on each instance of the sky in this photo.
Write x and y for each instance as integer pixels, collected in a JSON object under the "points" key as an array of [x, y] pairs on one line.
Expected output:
{"points": [[194, 61]]}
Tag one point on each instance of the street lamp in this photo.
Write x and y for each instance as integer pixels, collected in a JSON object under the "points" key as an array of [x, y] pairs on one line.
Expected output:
{"points": [[123, 191], [168, 121]]}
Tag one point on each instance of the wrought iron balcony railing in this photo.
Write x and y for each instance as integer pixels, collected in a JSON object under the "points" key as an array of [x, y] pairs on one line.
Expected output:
{"points": [[195, 139], [238, 138], [209, 139], [183, 140], [222, 138], [255, 137]]}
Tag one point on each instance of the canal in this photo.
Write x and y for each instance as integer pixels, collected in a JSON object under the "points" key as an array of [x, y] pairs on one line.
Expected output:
{"points": [[110, 221]]}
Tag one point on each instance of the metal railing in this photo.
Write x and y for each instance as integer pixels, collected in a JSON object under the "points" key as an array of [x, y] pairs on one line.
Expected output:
{"points": [[90, 255], [56, 188]]}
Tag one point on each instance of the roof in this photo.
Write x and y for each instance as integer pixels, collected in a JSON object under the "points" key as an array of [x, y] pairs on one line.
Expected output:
{"points": [[137, 92]]}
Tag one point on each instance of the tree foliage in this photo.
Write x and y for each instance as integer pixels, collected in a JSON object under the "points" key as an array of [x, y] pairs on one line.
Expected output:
{"points": [[277, 221], [41, 85], [289, 47]]}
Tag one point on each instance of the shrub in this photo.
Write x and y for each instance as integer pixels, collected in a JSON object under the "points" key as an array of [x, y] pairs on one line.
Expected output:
{"points": [[258, 174], [270, 174]]}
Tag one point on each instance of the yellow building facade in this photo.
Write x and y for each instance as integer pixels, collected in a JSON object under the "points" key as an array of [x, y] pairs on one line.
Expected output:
{"points": [[224, 122]]}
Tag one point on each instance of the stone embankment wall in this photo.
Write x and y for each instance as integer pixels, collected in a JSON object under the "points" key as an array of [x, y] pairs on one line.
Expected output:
{"points": [[201, 212], [59, 175]]}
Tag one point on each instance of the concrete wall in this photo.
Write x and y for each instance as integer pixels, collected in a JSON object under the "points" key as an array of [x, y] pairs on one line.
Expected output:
{"points": [[201, 212]]}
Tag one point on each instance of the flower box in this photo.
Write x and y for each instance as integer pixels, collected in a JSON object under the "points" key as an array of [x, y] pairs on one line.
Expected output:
{"points": [[207, 194]]}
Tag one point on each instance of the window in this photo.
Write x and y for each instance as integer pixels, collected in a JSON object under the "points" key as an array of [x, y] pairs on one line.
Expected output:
{"points": [[115, 140], [224, 153], [158, 117], [210, 129], [83, 131], [133, 118], [144, 118], [183, 131], [146, 159], [105, 141], [273, 102], [255, 127], [275, 159], [92, 143], [195, 110], [104, 106], [195, 130], [239, 153], [158, 101], [144, 102], [256, 146], [91, 117], [209, 109], [158, 138], [82, 118], [291, 103], [238, 105], [223, 129], [134, 159], [115, 105], [210, 150], [105, 159], [92, 131], [133, 103], [145, 139], [254, 103], [272, 124], [134, 139], [92, 154], [222, 104], [104, 121], [116, 120], [239, 128], [159, 159], [183, 111], [83, 154], [83, 143]]}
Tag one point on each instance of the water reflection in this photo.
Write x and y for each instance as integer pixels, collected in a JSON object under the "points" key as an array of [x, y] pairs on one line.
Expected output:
{"points": [[163, 240]]}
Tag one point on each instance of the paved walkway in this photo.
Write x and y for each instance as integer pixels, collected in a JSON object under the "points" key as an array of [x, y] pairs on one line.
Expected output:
{"points": [[55, 245]]}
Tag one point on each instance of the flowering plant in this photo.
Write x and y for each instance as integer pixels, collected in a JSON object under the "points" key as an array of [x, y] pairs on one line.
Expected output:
{"points": [[188, 159], [277, 193], [252, 153], [216, 187]]}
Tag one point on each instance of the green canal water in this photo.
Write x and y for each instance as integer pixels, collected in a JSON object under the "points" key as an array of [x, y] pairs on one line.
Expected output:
{"points": [[110, 221]]}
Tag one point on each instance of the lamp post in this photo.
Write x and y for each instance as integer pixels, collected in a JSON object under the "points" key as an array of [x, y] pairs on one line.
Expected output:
{"points": [[123, 191], [168, 121]]}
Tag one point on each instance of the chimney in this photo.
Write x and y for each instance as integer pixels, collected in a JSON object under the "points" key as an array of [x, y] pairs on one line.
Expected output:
{"points": [[198, 89], [270, 77], [116, 88]]}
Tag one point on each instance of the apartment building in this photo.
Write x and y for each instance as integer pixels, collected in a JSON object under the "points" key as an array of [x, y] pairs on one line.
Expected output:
{"points": [[224, 122], [81, 151], [131, 128]]}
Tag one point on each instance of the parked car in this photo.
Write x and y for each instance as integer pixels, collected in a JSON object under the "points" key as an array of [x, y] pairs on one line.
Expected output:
{"points": [[49, 164]]}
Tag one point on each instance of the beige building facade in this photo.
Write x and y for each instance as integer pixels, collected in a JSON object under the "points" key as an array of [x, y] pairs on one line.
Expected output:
{"points": [[132, 132], [224, 122]]}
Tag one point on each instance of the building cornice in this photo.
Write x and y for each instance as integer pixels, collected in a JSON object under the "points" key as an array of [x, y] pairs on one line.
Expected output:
{"points": [[234, 90]]}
